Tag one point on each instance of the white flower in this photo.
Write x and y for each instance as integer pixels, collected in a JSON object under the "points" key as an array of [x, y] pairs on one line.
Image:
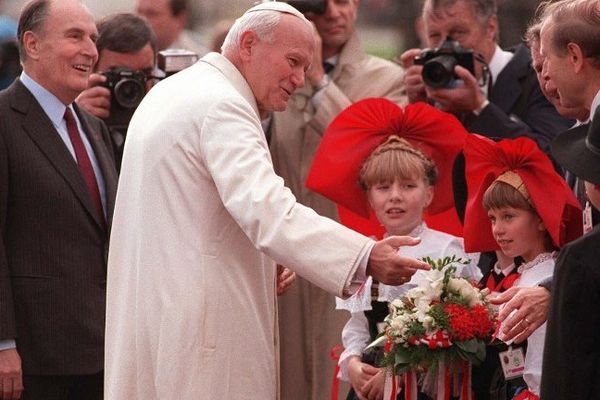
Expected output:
{"points": [[399, 327], [455, 284], [397, 303], [428, 323], [435, 278], [463, 288]]}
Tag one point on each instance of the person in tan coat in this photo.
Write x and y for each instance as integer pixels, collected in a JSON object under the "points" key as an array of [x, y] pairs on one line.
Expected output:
{"points": [[200, 217], [309, 324]]}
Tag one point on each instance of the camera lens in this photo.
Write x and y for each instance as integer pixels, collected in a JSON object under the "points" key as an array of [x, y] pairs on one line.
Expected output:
{"points": [[129, 93], [439, 71]]}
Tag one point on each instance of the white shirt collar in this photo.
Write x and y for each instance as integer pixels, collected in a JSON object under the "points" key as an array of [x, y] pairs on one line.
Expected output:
{"points": [[52, 106], [595, 105], [499, 60], [506, 270]]}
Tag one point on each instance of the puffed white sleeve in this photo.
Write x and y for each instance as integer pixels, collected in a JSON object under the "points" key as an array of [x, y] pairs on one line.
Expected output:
{"points": [[355, 337]]}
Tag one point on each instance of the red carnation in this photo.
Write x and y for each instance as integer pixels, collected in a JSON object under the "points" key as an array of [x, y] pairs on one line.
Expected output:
{"points": [[462, 326], [481, 318]]}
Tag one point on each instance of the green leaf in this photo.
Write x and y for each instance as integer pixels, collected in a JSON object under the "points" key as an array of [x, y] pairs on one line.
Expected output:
{"points": [[469, 346], [400, 358]]}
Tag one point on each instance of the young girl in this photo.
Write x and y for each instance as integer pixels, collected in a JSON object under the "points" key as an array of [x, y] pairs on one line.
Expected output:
{"points": [[509, 183], [397, 181]]}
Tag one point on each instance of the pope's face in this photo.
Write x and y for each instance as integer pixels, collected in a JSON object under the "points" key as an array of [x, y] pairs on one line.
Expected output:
{"points": [[275, 70]]}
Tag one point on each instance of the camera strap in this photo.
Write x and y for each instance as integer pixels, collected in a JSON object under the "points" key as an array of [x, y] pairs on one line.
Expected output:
{"points": [[486, 79]]}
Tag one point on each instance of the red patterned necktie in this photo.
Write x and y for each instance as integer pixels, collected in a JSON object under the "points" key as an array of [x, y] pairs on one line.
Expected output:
{"points": [[84, 163]]}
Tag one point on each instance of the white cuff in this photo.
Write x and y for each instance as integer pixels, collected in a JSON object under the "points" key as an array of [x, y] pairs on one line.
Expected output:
{"points": [[480, 109], [7, 344]]}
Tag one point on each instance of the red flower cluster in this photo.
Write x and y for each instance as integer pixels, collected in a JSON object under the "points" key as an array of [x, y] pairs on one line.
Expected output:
{"points": [[481, 318], [467, 324]]}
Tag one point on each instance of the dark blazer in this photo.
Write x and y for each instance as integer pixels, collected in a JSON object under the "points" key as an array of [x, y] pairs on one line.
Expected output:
{"points": [[518, 106], [53, 247], [571, 367]]}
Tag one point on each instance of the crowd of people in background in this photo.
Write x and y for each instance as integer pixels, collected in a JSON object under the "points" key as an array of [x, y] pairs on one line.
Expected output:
{"points": [[182, 237]]}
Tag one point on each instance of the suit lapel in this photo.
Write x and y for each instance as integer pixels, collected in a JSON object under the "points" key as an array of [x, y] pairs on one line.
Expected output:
{"points": [[506, 90], [41, 131]]}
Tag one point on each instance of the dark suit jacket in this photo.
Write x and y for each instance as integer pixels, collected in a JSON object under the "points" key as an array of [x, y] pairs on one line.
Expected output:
{"points": [[53, 247], [571, 367], [518, 106]]}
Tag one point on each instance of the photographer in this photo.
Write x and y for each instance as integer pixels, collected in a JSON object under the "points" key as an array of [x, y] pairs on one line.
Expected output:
{"points": [[341, 74], [125, 43], [505, 102]]}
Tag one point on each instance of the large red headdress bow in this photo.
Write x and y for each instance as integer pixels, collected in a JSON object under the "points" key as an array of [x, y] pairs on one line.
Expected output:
{"points": [[360, 128], [551, 197]]}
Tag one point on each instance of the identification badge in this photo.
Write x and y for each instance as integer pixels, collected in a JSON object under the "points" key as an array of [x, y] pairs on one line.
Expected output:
{"points": [[587, 218], [513, 362]]}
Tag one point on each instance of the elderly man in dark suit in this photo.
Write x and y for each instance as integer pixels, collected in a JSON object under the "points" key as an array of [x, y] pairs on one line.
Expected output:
{"points": [[510, 103], [57, 188]]}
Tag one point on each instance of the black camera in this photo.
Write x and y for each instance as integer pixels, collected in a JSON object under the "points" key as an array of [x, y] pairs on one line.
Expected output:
{"points": [[127, 89], [306, 6], [438, 64]]}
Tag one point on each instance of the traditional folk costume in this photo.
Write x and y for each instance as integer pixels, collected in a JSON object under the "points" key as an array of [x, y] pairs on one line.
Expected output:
{"points": [[521, 164], [347, 143], [368, 307]]}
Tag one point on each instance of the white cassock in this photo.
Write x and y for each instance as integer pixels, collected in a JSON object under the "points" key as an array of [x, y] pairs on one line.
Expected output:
{"points": [[199, 217]]}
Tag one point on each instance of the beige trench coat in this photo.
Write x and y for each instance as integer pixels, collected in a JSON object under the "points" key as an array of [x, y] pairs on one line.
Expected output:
{"points": [[200, 215], [309, 324]]}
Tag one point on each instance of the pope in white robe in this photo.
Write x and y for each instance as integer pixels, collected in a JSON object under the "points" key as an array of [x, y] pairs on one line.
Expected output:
{"points": [[199, 217]]}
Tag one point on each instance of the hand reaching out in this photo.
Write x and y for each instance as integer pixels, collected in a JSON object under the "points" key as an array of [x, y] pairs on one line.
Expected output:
{"points": [[387, 266], [526, 309]]}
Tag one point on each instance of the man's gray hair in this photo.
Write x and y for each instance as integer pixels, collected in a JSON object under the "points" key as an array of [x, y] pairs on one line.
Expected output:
{"points": [[262, 20], [575, 21], [32, 18], [483, 9], [262, 23]]}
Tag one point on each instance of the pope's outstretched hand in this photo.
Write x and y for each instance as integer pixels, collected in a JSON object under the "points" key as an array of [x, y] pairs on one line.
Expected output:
{"points": [[386, 265]]}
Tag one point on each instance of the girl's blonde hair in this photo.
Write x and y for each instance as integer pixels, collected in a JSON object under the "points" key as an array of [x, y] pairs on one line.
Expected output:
{"points": [[396, 158]]}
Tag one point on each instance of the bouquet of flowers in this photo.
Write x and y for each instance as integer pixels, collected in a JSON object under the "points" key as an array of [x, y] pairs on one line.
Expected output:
{"points": [[441, 327]]}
